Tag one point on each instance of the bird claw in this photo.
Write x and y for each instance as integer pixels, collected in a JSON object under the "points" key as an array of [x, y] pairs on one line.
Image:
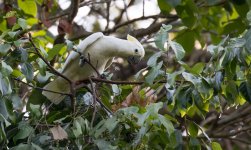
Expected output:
{"points": [[82, 60], [103, 76]]}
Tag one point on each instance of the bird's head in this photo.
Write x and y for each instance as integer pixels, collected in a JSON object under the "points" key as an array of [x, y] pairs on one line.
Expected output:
{"points": [[137, 50]]}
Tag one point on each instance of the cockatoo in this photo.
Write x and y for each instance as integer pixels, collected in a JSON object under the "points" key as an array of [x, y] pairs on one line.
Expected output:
{"points": [[100, 49]]}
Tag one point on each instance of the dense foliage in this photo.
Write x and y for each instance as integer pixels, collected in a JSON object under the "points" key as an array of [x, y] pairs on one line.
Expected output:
{"points": [[193, 91]]}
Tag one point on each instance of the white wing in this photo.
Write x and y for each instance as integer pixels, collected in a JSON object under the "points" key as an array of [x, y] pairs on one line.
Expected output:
{"points": [[83, 45]]}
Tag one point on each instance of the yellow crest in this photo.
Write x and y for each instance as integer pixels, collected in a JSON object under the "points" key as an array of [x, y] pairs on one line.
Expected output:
{"points": [[132, 39]]}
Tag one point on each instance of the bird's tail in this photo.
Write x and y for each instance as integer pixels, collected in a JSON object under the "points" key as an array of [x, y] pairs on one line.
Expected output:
{"points": [[58, 85]]}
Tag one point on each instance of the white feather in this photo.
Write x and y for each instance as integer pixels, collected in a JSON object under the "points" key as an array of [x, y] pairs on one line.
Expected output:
{"points": [[100, 49]]}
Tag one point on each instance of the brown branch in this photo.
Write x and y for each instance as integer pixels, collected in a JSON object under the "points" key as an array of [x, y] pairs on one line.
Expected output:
{"points": [[107, 14], [39, 88], [143, 8], [74, 10], [94, 102], [118, 19], [137, 19], [54, 71], [152, 28], [69, 10], [94, 79], [234, 116], [229, 134]]}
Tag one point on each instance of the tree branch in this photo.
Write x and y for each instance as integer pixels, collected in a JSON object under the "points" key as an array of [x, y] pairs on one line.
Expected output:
{"points": [[74, 10], [137, 19], [39, 88], [94, 79], [54, 71], [94, 102]]}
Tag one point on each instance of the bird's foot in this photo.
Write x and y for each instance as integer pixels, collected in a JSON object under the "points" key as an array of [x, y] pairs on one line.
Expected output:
{"points": [[103, 76], [82, 60]]}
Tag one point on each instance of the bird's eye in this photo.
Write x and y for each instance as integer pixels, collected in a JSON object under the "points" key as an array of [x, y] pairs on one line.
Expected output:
{"points": [[136, 51]]}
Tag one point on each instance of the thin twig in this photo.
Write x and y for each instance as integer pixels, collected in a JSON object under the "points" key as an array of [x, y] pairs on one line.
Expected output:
{"points": [[83, 85], [74, 10], [143, 8], [135, 20], [88, 61], [54, 71], [94, 102], [39, 88], [230, 134], [94, 79], [107, 14]]}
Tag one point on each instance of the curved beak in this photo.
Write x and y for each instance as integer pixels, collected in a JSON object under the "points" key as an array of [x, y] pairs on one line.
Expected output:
{"points": [[133, 59]]}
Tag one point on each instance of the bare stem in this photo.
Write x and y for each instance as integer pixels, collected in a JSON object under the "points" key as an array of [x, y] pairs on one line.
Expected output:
{"points": [[94, 102]]}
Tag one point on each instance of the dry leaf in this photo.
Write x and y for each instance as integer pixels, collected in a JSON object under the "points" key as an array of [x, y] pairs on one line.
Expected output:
{"points": [[58, 133], [134, 98]]}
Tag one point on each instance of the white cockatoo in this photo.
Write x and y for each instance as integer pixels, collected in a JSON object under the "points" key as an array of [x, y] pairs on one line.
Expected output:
{"points": [[100, 49]]}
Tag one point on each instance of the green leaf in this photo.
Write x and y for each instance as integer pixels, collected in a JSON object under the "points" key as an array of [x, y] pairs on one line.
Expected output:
{"points": [[35, 110], [3, 109], [27, 70], [4, 48], [111, 123], [42, 67], [218, 80], [249, 16], [16, 73], [22, 23], [16, 102], [24, 54], [198, 68], [176, 139], [5, 87], [154, 107], [237, 42], [178, 50], [187, 39], [164, 6], [104, 145], [170, 77], [22, 147], [216, 146], [6, 69], [160, 40], [3, 119], [3, 27], [162, 36], [193, 129], [214, 50], [12, 34], [194, 144], [153, 73], [55, 51], [245, 90], [231, 92], [152, 61], [191, 78], [166, 123], [187, 12], [76, 129], [129, 110], [173, 3], [25, 130], [36, 147], [10, 14], [28, 6]]}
